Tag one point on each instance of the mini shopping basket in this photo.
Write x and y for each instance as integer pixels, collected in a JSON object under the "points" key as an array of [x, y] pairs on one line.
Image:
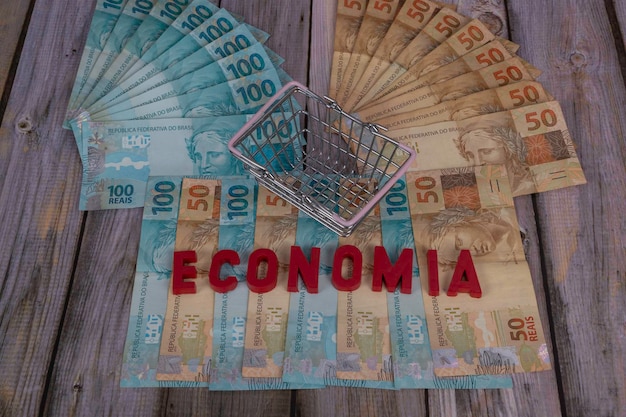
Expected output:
{"points": [[308, 151]]}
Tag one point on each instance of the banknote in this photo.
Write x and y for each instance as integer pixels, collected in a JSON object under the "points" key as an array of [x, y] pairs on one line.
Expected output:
{"points": [[133, 14], [363, 340], [489, 101], [245, 62], [237, 221], [190, 18], [503, 73], [412, 357], [441, 26], [489, 54], [266, 323], [151, 285], [310, 347], [378, 18], [311, 341], [119, 157], [350, 15], [500, 332], [102, 23], [409, 21], [168, 68], [532, 142], [237, 96], [187, 342], [161, 16], [470, 37]]}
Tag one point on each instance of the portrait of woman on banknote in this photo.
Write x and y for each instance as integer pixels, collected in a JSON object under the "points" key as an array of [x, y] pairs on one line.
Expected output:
{"points": [[493, 234], [208, 150], [493, 144]]}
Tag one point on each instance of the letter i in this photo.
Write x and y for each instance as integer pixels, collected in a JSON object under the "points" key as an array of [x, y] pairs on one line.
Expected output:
{"points": [[433, 273]]}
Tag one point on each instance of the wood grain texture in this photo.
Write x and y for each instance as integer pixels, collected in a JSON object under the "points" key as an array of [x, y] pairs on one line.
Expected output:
{"points": [[582, 229], [361, 402], [620, 14], [39, 223], [13, 20]]}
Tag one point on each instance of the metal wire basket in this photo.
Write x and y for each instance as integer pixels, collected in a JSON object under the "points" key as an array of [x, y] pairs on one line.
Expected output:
{"points": [[330, 165]]}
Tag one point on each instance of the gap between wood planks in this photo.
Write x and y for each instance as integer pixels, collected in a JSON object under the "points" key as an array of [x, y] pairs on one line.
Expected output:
{"points": [[618, 37], [17, 53]]}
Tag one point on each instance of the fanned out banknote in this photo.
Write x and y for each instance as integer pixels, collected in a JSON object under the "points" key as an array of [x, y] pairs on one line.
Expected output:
{"points": [[450, 69]]}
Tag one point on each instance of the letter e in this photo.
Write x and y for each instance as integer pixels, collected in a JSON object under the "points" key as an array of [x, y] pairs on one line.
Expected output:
{"points": [[181, 270]]}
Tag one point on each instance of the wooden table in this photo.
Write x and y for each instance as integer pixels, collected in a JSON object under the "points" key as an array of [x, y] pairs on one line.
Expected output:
{"points": [[66, 276]]}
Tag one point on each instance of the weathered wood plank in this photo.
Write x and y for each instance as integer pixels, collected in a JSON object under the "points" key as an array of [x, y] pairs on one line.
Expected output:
{"points": [[39, 221], [620, 12], [361, 402], [13, 15], [582, 229]]}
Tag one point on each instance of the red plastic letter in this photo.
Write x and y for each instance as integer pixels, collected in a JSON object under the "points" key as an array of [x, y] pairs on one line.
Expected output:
{"points": [[298, 265], [465, 267], [229, 283], [433, 273], [354, 282], [180, 271], [268, 283], [400, 273]]}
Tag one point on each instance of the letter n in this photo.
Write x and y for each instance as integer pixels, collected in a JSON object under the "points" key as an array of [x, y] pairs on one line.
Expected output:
{"points": [[181, 270], [465, 268], [309, 271], [400, 273]]}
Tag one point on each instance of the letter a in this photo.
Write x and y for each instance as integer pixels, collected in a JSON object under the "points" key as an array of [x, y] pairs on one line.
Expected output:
{"points": [[465, 267], [181, 270]]}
